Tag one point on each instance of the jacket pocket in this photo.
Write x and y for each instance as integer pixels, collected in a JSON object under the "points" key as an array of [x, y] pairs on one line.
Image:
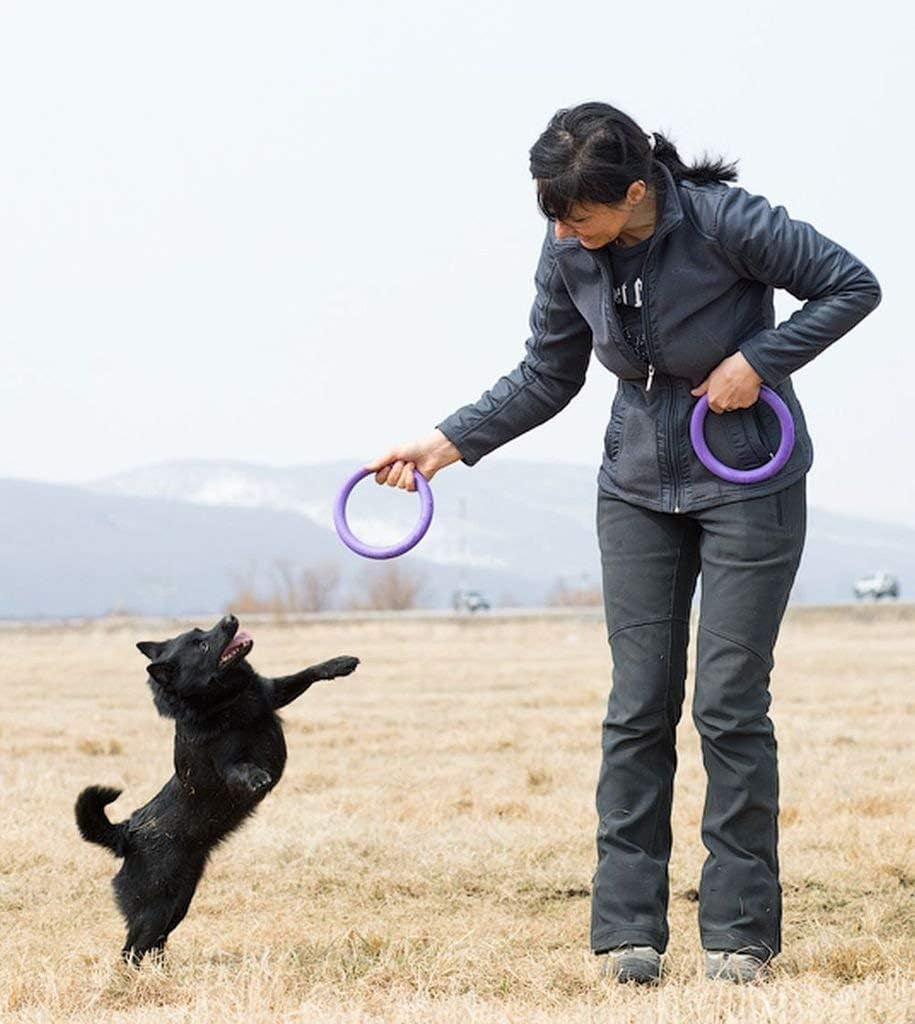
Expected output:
{"points": [[613, 437], [769, 428], [744, 437], [756, 433], [779, 509]]}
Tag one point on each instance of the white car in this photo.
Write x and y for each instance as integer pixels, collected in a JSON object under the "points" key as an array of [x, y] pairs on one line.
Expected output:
{"points": [[469, 601], [880, 584]]}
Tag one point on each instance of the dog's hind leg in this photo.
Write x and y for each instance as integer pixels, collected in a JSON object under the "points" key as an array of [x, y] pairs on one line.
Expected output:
{"points": [[148, 930], [285, 689], [179, 909], [147, 934]]}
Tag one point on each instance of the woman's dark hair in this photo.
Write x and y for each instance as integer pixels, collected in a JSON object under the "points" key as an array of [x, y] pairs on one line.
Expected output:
{"points": [[593, 153]]}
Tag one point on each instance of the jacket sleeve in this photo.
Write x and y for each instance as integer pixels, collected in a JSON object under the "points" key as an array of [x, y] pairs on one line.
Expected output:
{"points": [[551, 373], [764, 244]]}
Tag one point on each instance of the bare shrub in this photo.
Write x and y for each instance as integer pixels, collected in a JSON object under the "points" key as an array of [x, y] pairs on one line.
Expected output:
{"points": [[307, 590], [99, 748], [568, 595], [317, 586], [388, 588], [285, 589], [245, 598]]}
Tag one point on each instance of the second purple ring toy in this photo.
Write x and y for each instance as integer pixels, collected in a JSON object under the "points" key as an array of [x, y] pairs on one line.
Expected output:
{"points": [[366, 550], [744, 476]]}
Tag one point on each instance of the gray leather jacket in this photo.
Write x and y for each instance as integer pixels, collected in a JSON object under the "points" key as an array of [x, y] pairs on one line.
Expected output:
{"points": [[715, 257]]}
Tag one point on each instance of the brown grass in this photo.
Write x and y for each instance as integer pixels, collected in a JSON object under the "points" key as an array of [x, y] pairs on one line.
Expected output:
{"points": [[427, 856]]}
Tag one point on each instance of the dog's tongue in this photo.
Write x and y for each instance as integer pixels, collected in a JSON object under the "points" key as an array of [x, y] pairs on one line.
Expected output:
{"points": [[241, 639]]}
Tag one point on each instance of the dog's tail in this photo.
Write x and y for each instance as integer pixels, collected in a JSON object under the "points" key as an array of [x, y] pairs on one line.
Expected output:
{"points": [[93, 823]]}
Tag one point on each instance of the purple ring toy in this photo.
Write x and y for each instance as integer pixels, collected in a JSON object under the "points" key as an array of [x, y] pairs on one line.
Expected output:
{"points": [[744, 476], [366, 550]]}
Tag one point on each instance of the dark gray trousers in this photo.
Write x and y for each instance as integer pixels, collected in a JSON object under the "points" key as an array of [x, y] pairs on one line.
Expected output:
{"points": [[748, 553]]}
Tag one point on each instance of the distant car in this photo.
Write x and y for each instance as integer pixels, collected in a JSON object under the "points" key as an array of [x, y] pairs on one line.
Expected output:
{"points": [[880, 584], [469, 601]]}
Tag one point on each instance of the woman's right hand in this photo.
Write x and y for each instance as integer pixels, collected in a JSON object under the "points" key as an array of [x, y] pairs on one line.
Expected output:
{"points": [[428, 454]]}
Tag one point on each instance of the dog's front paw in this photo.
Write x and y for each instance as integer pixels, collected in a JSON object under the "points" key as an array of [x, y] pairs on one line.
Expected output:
{"points": [[248, 778], [341, 666]]}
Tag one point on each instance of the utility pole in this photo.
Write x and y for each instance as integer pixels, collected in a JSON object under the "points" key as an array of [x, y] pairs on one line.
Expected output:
{"points": [[463, 583]]}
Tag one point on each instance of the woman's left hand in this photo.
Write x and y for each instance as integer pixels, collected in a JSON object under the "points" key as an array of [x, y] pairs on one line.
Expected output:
{"points": [[733, 384]]}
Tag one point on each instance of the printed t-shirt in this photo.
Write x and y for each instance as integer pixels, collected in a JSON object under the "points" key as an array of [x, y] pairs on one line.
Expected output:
{"points": [[626, 263]]}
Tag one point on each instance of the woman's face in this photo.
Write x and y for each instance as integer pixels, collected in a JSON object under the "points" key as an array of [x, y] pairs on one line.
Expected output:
{"points": [[594, 224], [598, 224]]}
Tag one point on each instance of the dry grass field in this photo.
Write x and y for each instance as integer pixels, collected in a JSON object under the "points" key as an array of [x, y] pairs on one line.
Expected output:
{"points": [[428, 853]]}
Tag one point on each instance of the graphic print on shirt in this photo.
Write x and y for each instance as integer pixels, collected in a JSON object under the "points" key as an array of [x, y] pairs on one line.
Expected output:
{"points": [[629, 293], [627, 296]]}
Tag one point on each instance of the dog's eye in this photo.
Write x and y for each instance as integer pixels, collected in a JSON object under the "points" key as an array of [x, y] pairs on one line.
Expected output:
{"points": [[203, 645]]}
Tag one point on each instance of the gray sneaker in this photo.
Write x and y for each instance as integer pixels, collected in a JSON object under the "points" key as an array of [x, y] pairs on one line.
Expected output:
{"points": [[724, 965], [639, 964]]}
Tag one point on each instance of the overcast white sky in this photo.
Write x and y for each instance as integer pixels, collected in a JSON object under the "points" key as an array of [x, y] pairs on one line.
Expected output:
{"points": [[290, 234]]}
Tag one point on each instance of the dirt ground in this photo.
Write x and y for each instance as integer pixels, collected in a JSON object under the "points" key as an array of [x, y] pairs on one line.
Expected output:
{"points": [[428, 854]]}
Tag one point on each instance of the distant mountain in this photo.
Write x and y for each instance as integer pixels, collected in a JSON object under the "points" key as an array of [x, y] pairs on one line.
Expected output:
{"points": [[66, 551], [533, 518], [522, 517], [186, 537]]}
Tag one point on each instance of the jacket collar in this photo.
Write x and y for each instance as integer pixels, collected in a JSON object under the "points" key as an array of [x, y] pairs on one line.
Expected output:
{"points": [[671, 207]]}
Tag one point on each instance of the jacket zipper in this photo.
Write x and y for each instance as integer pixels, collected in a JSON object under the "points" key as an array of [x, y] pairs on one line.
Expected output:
{"points": [[671, 406], [671, 447]]}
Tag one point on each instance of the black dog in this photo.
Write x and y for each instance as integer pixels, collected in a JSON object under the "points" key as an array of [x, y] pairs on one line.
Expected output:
{"points": [[229, 753]]}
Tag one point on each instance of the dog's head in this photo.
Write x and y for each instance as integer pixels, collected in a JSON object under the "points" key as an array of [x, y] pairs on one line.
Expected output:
{"points": [[199, 670]]}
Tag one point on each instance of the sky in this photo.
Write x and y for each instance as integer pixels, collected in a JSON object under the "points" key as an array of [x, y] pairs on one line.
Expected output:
{"points": [[288, 233]]}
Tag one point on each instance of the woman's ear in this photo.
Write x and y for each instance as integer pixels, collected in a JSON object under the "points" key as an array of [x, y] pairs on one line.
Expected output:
{"points": [[636, 192]]}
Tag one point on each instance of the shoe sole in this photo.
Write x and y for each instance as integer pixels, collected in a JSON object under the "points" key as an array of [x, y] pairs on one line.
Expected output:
{"points": [[636, 976]]}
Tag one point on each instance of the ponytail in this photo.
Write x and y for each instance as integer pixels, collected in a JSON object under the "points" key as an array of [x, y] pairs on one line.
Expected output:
{"points": [[706, 172]]}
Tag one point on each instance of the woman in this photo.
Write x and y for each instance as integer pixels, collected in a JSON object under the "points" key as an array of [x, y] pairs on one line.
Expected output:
{"points": [[667, 273]]}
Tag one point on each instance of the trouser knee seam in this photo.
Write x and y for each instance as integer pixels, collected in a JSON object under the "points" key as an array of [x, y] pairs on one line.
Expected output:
{"points": [[647, 622], [737, 643]]}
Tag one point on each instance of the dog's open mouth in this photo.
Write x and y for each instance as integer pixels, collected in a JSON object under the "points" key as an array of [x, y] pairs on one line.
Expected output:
{"points": [[237, 648]]}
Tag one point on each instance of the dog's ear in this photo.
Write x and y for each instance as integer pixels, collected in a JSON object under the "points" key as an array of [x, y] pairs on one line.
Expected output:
{"points": [[150, 648], [162, 671]]}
